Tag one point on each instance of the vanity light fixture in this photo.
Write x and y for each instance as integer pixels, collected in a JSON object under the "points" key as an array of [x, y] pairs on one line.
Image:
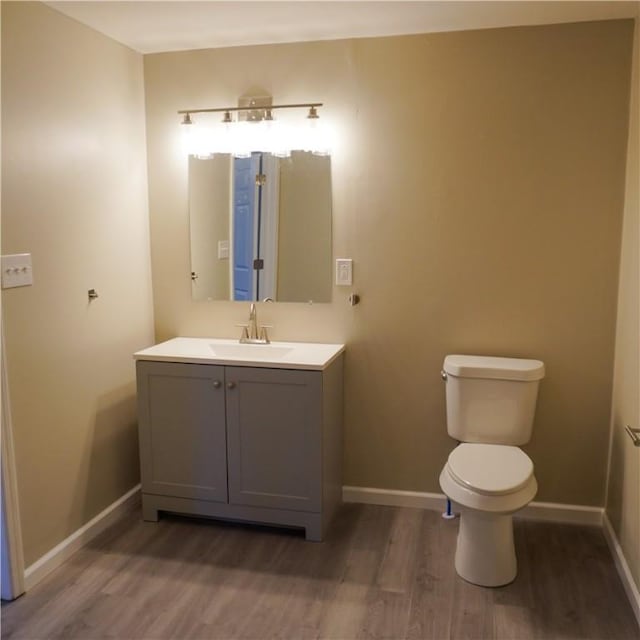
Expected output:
{"points": [[254, 128], [258, 112]]}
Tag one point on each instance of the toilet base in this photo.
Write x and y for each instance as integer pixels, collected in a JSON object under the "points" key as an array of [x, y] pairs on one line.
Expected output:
{"points": [[485, 552]]}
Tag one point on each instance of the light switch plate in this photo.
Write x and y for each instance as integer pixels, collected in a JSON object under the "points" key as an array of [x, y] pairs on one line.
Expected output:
{"points": [[16, 270], [223, 249], [344, 272]]}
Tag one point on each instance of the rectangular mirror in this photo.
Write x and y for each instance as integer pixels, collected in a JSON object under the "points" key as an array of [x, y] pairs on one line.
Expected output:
{"points": [[260, 227]]}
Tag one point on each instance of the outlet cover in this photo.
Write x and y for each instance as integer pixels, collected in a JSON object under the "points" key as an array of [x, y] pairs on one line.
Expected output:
{"points": [[344, 272], [223, 249]]}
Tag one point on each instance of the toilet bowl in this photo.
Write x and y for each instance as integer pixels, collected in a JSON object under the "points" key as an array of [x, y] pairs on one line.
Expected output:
{"points": [[488, 483]]}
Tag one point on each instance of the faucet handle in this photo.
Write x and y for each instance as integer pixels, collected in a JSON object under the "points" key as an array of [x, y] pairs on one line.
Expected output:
{"points": [[245, 332], [263, 332]]}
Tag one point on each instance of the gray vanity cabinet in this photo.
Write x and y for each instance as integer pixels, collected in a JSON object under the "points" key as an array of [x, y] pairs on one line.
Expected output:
{"points": [[274, 438], [183, 443], [245, 443]]}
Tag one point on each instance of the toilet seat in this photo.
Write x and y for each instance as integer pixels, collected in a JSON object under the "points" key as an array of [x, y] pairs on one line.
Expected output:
{"points": [[490, 469]]}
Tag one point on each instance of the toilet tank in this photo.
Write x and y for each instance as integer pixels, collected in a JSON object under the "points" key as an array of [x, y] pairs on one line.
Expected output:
{"points": [[491, 400]]}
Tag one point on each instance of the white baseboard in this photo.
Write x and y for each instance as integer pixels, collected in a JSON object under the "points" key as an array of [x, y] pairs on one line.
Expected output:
{"points": [[394, 498], [47, 563], [558, 512], [623, 568], [570, 513]]}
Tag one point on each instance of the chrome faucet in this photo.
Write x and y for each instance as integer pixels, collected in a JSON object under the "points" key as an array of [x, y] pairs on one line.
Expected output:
{"points": [[253, 322], [251, 333]]}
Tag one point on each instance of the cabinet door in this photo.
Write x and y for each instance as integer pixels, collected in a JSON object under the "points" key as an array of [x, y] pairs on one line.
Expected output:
{"points": [[273, 437], [182, 430]]}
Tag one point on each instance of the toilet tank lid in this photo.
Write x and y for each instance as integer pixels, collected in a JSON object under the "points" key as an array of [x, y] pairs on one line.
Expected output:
{"points": [[493, 367]]}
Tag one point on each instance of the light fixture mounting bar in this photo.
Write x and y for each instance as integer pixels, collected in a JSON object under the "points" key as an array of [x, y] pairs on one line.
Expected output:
{"points": [[301, 105]]}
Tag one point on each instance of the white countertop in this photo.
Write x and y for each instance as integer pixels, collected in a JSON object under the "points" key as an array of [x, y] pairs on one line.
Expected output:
{"points": [[278, 355]]}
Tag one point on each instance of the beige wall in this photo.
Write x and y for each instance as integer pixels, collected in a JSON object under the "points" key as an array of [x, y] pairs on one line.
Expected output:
{"points": [[478, 185], [623, 499], [209, 201], [74, 195], [304, 229]]}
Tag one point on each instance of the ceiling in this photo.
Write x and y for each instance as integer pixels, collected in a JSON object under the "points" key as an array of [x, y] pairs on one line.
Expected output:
{"points": [[151, 26]]}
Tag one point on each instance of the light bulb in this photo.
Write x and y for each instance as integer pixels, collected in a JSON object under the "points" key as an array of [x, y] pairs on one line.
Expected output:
{"points": [[188, 134], [242, 140], [221, 138], [281, 139], [259, 134], [317, 139]]}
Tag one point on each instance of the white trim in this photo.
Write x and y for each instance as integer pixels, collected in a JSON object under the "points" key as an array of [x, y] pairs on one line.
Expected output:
{"points": [[576, 514], [394, 498], [269, 229], [558, 512], [61, 552], [12, 550], [232, 187], [624, 572]]}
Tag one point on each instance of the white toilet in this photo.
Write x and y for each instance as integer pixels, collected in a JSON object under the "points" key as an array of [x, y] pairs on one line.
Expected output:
{"points": [[490, 407]]}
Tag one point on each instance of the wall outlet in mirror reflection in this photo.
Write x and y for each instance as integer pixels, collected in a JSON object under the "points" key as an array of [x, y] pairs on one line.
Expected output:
{"points": [[223, 249]]}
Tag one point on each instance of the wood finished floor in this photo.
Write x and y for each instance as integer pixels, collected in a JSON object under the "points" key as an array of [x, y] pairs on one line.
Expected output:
{"points": [[382, 572]]}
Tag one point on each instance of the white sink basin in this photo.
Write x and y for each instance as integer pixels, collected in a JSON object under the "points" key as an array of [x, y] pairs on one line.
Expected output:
{"points": [[251, 351], [279, 355]]}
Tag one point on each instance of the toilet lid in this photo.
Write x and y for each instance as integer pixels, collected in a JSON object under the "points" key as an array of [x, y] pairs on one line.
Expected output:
{"points": [[491, 469]]}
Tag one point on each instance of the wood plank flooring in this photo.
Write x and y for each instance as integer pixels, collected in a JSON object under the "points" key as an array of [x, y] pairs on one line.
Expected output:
{"points": [[382, 572]]}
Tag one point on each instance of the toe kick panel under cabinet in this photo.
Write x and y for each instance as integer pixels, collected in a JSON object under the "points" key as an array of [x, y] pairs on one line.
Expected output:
{"points": [[245, 443]]}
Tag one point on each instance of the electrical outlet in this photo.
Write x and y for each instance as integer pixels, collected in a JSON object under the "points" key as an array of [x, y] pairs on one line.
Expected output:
{"points": [[344, 272]]}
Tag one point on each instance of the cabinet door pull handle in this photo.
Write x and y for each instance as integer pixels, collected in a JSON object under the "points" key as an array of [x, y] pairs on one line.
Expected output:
{"points": [[217, 384], [231, 385]]}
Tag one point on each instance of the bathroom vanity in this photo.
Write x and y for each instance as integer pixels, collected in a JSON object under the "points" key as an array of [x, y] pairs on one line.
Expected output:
{"points": [[241, 431]]}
